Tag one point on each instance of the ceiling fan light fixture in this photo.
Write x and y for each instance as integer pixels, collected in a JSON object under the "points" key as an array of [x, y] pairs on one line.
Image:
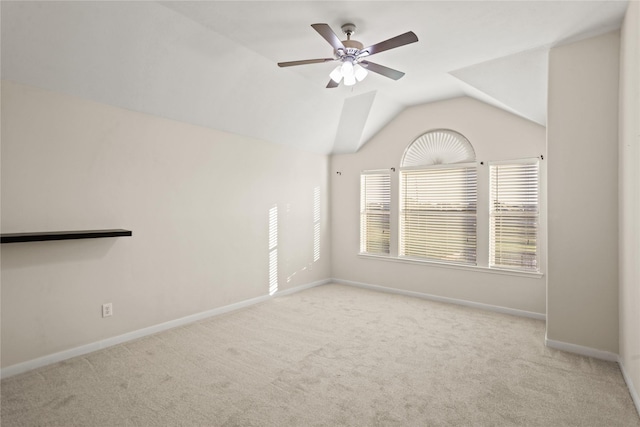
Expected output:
{"points": [[350, 71], [349, 80]]}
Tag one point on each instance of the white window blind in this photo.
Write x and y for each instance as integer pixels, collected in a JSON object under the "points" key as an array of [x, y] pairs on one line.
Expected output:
{"points": [[438, 213], [514, 216], [375, 200]]}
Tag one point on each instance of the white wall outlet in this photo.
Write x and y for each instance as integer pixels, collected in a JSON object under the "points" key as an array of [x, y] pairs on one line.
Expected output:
{"points": [[107, 309]]}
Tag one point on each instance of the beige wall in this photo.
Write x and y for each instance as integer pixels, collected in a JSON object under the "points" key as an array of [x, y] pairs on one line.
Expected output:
{"points": [[197, 200], [582, 171], [629, 161], [495, 135]]}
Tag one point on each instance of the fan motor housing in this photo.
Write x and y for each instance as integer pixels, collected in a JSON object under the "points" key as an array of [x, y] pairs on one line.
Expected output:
{"points": [[352, 44]]}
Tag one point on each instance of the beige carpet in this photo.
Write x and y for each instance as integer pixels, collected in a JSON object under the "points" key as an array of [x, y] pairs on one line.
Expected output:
{"points": [[328, 356]]}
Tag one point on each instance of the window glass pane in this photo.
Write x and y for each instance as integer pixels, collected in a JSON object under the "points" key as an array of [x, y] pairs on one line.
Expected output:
{"points": [[375, 199], [438, 214], [514, 216]]}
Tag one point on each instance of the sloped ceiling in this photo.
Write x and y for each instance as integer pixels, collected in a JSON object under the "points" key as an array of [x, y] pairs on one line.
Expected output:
{"points": [[214, 63]]}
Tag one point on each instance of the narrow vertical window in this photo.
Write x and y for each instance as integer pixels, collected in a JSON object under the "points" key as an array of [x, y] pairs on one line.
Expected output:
{"points": [[438, 213], [514, 216], [375, 200]]}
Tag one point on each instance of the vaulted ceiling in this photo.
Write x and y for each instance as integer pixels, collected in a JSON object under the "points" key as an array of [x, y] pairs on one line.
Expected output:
{"points": [[213, 63]]}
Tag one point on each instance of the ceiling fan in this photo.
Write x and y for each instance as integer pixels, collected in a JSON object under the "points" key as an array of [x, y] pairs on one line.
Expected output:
{"points": [[352, 55]]}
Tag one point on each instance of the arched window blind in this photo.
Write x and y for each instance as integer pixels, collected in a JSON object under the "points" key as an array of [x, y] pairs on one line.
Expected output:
{"points": [[438, 147]]}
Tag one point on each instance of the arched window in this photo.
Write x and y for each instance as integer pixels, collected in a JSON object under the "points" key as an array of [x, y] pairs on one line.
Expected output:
{"points": [[438, 198]]}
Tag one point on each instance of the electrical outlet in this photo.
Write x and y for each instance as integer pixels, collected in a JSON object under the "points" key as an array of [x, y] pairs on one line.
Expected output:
{"points": [[107, 309]]}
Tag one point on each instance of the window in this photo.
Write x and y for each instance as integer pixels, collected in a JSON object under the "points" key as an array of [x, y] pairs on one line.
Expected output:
{"points": [[434, 218], [375, 200], [514, 216], [438, 198], [438, 213]]}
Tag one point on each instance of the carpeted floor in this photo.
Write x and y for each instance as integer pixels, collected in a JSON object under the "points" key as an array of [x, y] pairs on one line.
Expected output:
{"points": [[329, 356]]}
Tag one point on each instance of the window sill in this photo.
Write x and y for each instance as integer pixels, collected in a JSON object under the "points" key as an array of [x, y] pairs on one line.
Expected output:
{"points": [[476, 268]]}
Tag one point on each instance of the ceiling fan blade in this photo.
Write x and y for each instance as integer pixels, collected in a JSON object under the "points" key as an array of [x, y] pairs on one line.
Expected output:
{"points": [[332, 84], [396, 41], [327, 33], [381, 69], [304, 62]]}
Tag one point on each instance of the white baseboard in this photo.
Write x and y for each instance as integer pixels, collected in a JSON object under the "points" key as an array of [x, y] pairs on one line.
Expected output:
{"points": [[582, 350], [109, 342], [302, 287], [632, 390], [488, 307]]}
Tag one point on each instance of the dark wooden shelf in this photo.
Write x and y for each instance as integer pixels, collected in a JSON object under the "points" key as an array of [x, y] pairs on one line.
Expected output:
{"points": [[63, 235]]}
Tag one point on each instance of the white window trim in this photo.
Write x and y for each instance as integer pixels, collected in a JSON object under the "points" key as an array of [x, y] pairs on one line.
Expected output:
{"points": [[524, 161], [444, 166], [475, 268]]}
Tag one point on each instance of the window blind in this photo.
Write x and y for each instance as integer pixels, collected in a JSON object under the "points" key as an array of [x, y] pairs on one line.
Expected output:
{"points": [[438, 213], [514, 216], [375, 201]]}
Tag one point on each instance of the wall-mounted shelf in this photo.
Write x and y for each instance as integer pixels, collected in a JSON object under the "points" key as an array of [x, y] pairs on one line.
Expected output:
{"points": [[63, 235]]}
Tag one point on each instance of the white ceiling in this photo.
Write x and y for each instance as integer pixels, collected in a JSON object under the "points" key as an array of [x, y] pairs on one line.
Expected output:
{"points": [[213, 63]]}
